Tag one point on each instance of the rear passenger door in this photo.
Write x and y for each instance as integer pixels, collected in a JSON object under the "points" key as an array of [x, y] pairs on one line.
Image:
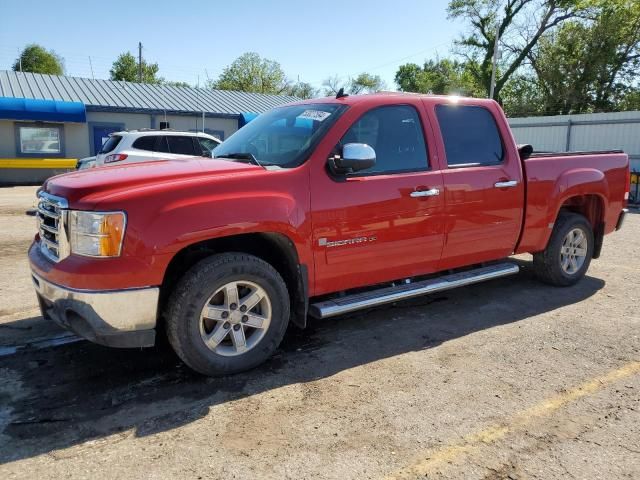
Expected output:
{"points": [[484, 194]]}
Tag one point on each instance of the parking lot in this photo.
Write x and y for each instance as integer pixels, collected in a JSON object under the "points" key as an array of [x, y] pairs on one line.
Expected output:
{"points": [[507, 379]]}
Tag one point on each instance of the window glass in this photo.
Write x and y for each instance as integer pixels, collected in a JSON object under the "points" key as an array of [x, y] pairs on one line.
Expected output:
{"points": [[146, 143], [181, 145], [207, 144], [470, 135], [111, 143], [42, 140], [395, 133], [283, 136], [162, 146]]}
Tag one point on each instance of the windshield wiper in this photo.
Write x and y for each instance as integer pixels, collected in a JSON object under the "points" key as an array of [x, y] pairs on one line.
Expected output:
{"points": [[242, 156]]}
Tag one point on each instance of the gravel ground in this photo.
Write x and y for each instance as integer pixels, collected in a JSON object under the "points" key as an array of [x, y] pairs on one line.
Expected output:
{"points": [[508, 379]]}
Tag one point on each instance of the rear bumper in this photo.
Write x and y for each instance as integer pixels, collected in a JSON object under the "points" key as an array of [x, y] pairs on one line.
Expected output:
{"points": [[115, 318], [621, 218]]}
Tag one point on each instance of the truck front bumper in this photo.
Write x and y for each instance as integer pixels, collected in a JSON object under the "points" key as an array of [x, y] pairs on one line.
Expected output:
{"points": [[115, 318]]}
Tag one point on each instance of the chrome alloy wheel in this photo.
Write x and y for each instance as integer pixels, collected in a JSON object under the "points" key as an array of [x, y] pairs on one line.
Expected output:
{"points": [[235, 318], [573, 251]]}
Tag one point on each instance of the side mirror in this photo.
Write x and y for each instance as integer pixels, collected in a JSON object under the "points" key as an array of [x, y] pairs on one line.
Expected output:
{"points": [[206, 153], [525, 151], [355, 157]]}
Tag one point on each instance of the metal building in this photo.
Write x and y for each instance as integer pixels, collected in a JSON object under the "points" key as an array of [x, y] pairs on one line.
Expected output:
{"points": [[47, 122], [595, 131]]}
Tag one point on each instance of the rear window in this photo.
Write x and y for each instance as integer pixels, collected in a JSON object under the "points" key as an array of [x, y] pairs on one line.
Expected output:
{"points": [[110, 144], [146, 143], [182, 145], [470, 135]]}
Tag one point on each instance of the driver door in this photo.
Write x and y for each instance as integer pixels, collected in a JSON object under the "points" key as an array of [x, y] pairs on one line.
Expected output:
{"points": [[383, 223]]}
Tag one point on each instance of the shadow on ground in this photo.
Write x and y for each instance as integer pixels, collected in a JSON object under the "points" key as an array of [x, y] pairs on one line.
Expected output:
{"points": [[61, 397]]}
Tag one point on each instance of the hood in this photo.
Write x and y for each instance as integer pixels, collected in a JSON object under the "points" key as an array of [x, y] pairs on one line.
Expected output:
{"points": [[94, 184]]}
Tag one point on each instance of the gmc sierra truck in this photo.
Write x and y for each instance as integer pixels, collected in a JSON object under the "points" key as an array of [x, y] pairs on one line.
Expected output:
{"points": [[320, 208]]}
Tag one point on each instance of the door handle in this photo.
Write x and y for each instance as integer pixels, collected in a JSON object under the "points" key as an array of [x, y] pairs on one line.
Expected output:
{"points": [[506, 184], [432, 192]]}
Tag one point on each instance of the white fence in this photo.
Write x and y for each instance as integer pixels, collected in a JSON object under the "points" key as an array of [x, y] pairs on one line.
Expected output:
{"points": [[595, 131]]}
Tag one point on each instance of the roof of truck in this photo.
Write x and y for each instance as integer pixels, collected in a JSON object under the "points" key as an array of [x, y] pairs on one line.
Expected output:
{"points": [[375, 98]]}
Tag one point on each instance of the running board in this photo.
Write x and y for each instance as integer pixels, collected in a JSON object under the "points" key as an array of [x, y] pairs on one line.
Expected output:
{"points": [[358, 301]]}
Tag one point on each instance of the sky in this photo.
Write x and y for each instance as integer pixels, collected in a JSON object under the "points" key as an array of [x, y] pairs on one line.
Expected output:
{"points": [[194, 40]]}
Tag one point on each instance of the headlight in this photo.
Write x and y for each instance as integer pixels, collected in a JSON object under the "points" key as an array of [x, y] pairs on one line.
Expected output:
{"points": [[96, 234]]}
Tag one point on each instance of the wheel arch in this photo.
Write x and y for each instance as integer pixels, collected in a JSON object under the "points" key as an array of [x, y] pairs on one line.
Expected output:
{"points": [[274, 248]]}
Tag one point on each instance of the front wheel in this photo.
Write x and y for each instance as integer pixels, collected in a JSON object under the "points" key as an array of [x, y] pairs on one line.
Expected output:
{"points": [[568, 253], [228, 313]]}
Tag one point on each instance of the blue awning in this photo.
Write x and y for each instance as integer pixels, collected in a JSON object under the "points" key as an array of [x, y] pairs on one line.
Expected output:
{"points": [[42, 110], [245, 118]]}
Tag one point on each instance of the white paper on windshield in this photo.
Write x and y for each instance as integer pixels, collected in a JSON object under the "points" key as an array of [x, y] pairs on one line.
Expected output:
{"points": [[317, 115]]}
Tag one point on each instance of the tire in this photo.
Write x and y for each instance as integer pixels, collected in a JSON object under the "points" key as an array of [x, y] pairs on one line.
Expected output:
{"points": [[553, 265], [210, 283]]}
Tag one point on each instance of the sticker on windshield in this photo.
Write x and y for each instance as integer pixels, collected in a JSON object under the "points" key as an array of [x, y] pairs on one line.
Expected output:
{"points": [[317, 115]]}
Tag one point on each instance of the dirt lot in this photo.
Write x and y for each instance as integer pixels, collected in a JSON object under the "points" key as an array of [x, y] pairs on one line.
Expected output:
{"points": [[509, 379]]}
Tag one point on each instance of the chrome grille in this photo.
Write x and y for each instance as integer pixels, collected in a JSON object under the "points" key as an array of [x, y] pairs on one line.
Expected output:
{"points": [[52, 217]]}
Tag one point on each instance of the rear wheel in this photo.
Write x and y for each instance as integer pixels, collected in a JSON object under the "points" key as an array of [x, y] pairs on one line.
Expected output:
{"points": [[228, 314], [568, 253]]}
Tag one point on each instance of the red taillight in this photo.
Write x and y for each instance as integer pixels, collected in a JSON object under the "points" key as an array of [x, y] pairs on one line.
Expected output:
{"points": [[627, 187], [116, 157]]}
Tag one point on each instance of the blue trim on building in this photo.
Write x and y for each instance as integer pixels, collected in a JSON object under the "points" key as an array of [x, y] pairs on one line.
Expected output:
{"points": [[42, 110]]}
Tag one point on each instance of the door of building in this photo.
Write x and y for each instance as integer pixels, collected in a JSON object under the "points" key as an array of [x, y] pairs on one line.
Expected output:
{"points": [[101, 134]]}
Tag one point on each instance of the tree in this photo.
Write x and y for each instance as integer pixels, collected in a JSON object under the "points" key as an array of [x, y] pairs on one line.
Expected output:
{"points": [[125, 68], [590, 65], [35, 58], [366, 83], [252, 73], [520, 25], [302, 90], [363, 83], [442, 77], [171, 83]]}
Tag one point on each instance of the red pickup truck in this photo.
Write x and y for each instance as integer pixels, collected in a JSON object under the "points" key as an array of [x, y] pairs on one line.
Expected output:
{"points": [[320, 207]]}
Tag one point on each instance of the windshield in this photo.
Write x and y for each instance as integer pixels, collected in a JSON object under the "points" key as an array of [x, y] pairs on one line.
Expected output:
{"points": [[283, 136]]}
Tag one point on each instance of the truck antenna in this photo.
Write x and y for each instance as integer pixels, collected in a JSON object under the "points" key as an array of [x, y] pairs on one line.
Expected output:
{"points": [[341, 93]]}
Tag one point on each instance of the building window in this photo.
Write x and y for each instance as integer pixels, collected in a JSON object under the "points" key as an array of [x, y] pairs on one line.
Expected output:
{"points": [[40, 140]]}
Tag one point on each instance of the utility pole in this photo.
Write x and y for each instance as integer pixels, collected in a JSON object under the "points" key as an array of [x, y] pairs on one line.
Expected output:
{"points": [[91, 66], [140, 62], [496, 49]]}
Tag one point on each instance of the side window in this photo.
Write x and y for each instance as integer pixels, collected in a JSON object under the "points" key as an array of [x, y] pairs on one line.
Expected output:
{"points": [[147, 143], [395, 133], [470, 135], [162, 146], [207, 144], [181, 145]]}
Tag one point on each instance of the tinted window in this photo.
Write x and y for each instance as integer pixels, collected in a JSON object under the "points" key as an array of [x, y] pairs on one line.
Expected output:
{"points": [[470, 135], [146, 143], [162, 146], [110, 144], [395, 133], [181, 145]]}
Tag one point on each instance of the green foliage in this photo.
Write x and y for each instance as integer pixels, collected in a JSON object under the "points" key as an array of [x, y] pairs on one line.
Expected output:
{"points": [[252, 73], [592, 65], [170, 83], [302, 90], [363, 83], [125, 68], [34, 58], [441, 77], [519, 23]]}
